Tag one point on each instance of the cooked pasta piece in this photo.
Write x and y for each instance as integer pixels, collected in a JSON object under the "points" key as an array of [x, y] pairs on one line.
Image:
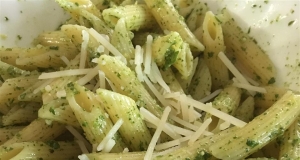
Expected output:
{"points": [[260, 131], [8, 132], [46, 57], [37, 130], [126, 82], [133, 131], [9, 71], [245, 111], [214, 44], [171, 80], [85, 10], [40, 150], [121, 39], [11, 88], [227, 101], [136, 16], [9, 56], [59, 110], [172, 50], [200, 86], [169, 19], [247, 52], [91, 115], [266, 100], [290, 147], [21, 113]]}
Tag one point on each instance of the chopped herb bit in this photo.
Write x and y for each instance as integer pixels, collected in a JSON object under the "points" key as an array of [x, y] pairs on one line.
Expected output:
{"points": [[249, 30], [52, 110], [53, 144], [170, 57], [76, 4], [19, 37], [271, 81], [290, 23], [202, 155], [6, 18], [54, 47], [210, 54], [251, 143]]}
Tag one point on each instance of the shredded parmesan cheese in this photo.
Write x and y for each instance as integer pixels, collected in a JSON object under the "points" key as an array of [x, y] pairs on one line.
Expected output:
{"points": [[83, 52], [250, 87], [43, 85], [148, 56], [82, 146], [65, 60], [83, 157], [200, 131], [211, 96], [157, 133], [78, 136], [101, 79], [88, 77], [57, 74], [110, 134], [107, 44]]}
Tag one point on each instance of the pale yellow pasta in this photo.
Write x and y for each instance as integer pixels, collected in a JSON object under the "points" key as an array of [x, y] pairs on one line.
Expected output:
{"points": [[38, 130], [91, 116], [246, 52], [171, 80], [290, 149], [260, 131], [133, 130], [214, 44], [8, 132], [126, 82], [9, 71], [172, 50], [21, 113], [169, 19], [59, 110], [200, 86], [121, 39], [265, 100], [9, 56], [136, 16], [245, 111], [11, 88], [40, 150]]}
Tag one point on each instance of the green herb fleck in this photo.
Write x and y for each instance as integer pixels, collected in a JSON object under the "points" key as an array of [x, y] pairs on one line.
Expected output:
{"points": [[52, 110], [6, 18], [19, 37], [202, 155], [170, 57], [54, 47], [290, 23], [53, 144], [251, 143], [271, 81]]}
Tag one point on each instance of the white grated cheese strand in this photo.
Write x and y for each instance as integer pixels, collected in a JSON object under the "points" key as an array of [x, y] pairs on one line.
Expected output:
{"points": [[82, 146], [88, 77], [65, 60], [107, 44], [157, 75], [250, 87], [83, 51], [83, 157], [110, 134], [101, 79], [211, 96], [109, 145], [200, 131], [43, 85], [157, 133], [64, 73], [78, 136]]}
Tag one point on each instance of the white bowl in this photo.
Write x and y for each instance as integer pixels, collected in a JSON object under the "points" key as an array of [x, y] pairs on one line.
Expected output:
{"points": [[274, 24]]}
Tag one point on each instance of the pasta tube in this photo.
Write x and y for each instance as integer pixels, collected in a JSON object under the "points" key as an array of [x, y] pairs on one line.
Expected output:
{"points": [[21, 113], [201, 82], [133, 131], [171, 50], [246, 51], [260, 131], [8, 132], [290, 149], [136, 16], [40, 150], [169, 19], [9, 71], [245, 111], [59, 110], [214, 44], [91, 116], [126, 83], [121, 39], [38, 130]]}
